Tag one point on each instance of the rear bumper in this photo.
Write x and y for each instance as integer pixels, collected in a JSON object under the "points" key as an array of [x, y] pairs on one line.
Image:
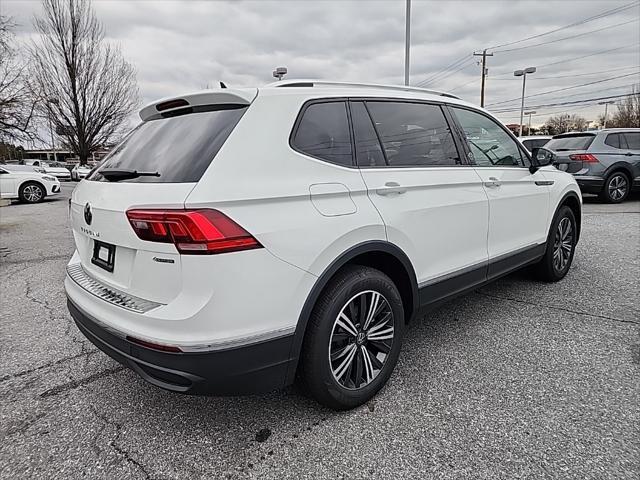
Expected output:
{"points": [[589, 184], [253, 368]]}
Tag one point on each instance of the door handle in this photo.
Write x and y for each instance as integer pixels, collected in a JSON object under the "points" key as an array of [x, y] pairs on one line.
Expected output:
{"points": [[391, 188], [492, 183], [628, 154]]}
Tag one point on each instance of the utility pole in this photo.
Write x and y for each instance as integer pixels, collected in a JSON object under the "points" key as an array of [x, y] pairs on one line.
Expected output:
{"points": [[606, 104], [531, 112], [407, 42], [485, 70]]}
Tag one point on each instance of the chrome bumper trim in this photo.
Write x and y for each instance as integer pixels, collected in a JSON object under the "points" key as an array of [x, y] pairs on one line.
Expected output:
{"points": [[109, 294]]}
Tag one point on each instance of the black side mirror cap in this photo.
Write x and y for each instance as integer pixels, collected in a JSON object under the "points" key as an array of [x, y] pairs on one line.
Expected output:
{"points": [[541, 157]]}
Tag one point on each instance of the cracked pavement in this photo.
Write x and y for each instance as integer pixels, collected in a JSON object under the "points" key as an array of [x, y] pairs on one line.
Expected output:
{"points": [[516, 380]]}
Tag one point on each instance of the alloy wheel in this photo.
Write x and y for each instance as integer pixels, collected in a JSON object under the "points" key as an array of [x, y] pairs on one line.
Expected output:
{"points": [[361, 339], [32, 193], [617, 187], [563, 244]]}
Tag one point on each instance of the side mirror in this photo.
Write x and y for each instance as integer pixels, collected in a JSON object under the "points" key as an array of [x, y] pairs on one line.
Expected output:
{"points": [[541, 157]]}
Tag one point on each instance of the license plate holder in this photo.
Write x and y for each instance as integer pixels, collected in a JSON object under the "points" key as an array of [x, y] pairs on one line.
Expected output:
{"points": [[104, 255]]}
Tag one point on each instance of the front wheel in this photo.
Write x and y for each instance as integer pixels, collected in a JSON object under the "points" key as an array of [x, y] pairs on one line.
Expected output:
{"points": [[616, 188], [31, 192], [353, 339], [561, 245]]}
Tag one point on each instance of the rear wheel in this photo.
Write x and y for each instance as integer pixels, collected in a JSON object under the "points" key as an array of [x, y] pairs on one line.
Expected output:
{"points": [[31, 192], [616, 188], [353, 338], [561, 244]]}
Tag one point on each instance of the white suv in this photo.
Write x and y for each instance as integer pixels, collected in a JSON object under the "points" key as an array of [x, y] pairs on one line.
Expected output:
{"points": [[239, 239]]}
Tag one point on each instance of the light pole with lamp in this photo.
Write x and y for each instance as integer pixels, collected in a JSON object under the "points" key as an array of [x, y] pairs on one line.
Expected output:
{"points": [[523, 74], [280, 72], [606, 104], [530, 112]]}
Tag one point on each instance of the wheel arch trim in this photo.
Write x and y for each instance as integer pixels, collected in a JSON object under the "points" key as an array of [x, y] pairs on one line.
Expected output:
{"points": [[374, 246], [563, 201]]}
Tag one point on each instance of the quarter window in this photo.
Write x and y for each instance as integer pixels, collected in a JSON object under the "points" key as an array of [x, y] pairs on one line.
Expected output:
{"points": [[490, 145], [323, 132], [413, 134]]}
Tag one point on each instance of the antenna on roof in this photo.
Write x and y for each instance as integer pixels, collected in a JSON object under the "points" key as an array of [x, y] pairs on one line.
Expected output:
{"points": [[222, 85]]}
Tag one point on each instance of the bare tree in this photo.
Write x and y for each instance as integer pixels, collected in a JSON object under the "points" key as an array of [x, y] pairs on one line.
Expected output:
{"points": [[16, 105], [564, 123], [87, 89], [628, 112]]}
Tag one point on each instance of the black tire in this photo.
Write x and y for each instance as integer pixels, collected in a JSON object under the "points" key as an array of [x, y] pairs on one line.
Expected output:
{"points": [[31, 192], [325, 336], [616, 188], [552, 268]]}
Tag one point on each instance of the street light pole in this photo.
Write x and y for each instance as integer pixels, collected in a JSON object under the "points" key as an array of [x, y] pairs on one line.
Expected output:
{"points": [[407, 42], [606, 104], [531, 112], [523, 74]]}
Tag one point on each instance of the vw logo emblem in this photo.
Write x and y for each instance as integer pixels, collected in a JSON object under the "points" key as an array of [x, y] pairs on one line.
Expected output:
{"points": [[88, 216], [361, 338]]}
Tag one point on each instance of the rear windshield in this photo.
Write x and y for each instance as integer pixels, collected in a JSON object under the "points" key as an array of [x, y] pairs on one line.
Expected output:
{"points": [[532, 143], [574, 142], [179, 148]]}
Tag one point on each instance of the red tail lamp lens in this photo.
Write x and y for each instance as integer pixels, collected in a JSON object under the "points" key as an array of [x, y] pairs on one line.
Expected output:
{"points": [[583, 157], [202, 231]]}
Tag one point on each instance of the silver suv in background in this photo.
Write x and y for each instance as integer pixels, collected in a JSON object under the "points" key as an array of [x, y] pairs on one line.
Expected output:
{"points": [[605, 162]]}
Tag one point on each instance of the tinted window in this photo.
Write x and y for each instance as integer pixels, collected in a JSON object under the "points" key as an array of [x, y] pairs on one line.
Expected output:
{"points": [[615, 140], [368, 149], [535, 143], [323, 132], [413, 134], [572, 142], [490, 145], [633, 140], [179, 148]]}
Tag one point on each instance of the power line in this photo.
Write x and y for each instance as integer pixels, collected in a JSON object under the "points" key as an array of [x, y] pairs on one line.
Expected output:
{"points": [[433, 76], [567, 60], [606, 13], [563, 89], [588, 74], [575, 102], [567, 38]]}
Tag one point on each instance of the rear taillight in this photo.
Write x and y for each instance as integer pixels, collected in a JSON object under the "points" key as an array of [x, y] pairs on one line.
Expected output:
{"points": [[202, 231], [583, 157]]}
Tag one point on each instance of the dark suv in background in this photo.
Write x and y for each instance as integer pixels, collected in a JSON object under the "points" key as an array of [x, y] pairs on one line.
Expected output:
{"points": [[605, 162]]}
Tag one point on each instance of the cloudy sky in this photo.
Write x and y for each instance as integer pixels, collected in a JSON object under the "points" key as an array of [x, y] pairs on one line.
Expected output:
{"points": [[182, 46]]}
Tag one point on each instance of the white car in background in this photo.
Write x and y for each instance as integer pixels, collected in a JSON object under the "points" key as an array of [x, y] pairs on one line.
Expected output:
{"points": [[56, 169], [28, 186], [534, 141], [80, 171]]}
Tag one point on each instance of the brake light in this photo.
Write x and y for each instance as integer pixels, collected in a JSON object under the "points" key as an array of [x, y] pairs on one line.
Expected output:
{"points": [[203, 231], [583, 157]]}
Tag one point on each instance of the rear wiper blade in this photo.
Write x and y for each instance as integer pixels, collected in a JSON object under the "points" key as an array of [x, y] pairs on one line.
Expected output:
{"points": [[115, 174]]}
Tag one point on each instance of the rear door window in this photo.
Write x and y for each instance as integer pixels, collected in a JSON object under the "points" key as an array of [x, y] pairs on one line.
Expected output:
{"points": [[414, 134], [179, 148], [572, 142], [323, 132], [633, 140], [368, 149]]}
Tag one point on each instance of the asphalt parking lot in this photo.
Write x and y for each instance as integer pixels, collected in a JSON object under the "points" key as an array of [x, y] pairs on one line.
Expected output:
{"points": [[516, 380]]}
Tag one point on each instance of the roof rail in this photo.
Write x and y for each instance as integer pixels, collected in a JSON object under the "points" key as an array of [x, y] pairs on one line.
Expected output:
{"points": [[326, 83]]}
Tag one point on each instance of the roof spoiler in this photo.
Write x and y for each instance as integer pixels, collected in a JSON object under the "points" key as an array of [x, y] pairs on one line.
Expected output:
{"points": [[226, 96]]}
